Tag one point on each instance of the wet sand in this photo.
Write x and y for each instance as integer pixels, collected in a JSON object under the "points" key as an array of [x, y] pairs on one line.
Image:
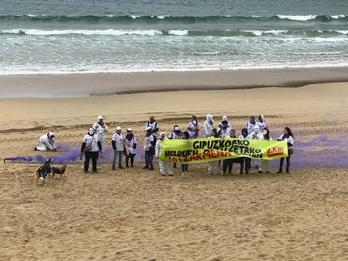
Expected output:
{"points": [[67, 85]]}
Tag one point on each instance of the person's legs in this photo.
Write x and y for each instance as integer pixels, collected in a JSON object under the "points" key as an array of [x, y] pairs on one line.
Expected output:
{"points": [[281, 165], [265, 165], [120, 159], [230, 165], [132, 156], [146, 159], [94, 156], [87, 159], [114, 160], [161, 164], [288, 165], [127, 160], [247, 164], [151, 161], [169, 168], [225, 164], [242, 160]]}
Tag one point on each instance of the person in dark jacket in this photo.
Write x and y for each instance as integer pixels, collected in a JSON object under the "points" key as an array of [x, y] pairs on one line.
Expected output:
{"points": [[289, 138]]}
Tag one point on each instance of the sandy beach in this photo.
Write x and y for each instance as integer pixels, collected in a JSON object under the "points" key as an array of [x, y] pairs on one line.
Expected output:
{"points": [[87, 84], [132, 214]]}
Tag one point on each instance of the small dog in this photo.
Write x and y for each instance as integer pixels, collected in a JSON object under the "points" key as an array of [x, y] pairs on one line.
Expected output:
{"points": [[44, 170], [57, 170]]}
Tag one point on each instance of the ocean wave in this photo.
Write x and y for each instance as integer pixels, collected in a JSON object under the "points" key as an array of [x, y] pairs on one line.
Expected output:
{"points": [[168, 18], [174, 32], [81, 32]]}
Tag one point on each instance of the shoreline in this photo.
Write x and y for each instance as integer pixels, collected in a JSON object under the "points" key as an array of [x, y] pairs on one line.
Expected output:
{"points": [[95, 84]]}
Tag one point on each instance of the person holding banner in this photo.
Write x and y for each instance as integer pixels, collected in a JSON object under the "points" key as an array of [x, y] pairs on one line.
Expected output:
{"points": [[184, 167], [225, 128], [193, 128], [209, 126], [265, 164], [214, 167], [164, 166], [227, 165], [175, 134], [289, 138], [245, 161]]}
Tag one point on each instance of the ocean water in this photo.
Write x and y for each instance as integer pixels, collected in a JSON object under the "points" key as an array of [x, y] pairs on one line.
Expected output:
{"points": [[51, 36]]}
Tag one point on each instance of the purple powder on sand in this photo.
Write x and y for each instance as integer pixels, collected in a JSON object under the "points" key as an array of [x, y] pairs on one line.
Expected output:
{"points": [[321, 151]]}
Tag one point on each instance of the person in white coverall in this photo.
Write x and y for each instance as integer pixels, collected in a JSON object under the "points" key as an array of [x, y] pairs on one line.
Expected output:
{"points": [[208, 126], [193, 128], [257, 135], [118, 143], [261, 123], [213, 166], [100, 128], [46, 142], [251, 124], [164, 166]]}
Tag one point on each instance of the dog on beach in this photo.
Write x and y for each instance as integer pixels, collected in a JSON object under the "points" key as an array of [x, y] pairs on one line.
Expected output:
{"points": [[44, 170], [58, 170]]}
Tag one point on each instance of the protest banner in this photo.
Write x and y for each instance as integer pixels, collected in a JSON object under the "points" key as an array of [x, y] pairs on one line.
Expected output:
{"points": [[211, 149]]}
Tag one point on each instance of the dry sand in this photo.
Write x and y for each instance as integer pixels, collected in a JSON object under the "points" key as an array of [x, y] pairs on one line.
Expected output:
{"points": [[133, 214]]}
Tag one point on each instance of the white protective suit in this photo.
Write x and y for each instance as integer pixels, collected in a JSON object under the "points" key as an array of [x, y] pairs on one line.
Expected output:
{"points": [[193, 129], [119, 141], [208, 125], [101, 129], [262, 125], [46, 142], [165, 166]]}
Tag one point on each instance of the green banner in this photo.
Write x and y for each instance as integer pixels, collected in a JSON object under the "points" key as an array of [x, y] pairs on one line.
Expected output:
{"points": [[210, 149]]}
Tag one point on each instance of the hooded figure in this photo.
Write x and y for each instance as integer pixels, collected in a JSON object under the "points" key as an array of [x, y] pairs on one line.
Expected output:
{"points": [[261, 123], [100, 128], [256, 134], [213, 166], [131, 145], [46, 142], [118, 147], [225, 128], [193, 128], [176, 133], [251, 124], [91, 146], [165, 166], [208, 125]]}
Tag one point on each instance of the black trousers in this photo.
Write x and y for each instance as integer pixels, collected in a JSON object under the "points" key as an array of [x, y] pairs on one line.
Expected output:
{"points": [[148, 159], [227, 164], [245, 165], [130, 157], [91, 155], [282, 163], [184, 167]]}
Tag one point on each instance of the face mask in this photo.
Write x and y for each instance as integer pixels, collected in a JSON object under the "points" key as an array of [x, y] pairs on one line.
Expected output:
{"points": [[90, 132], [264, 132], [194, 122]]}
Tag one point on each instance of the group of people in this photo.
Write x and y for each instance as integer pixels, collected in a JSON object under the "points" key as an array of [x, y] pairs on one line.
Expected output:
{"points": [[125, 144]]}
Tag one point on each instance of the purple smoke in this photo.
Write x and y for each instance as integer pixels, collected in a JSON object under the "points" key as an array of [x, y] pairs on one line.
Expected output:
{"points": [[321, 151]]}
